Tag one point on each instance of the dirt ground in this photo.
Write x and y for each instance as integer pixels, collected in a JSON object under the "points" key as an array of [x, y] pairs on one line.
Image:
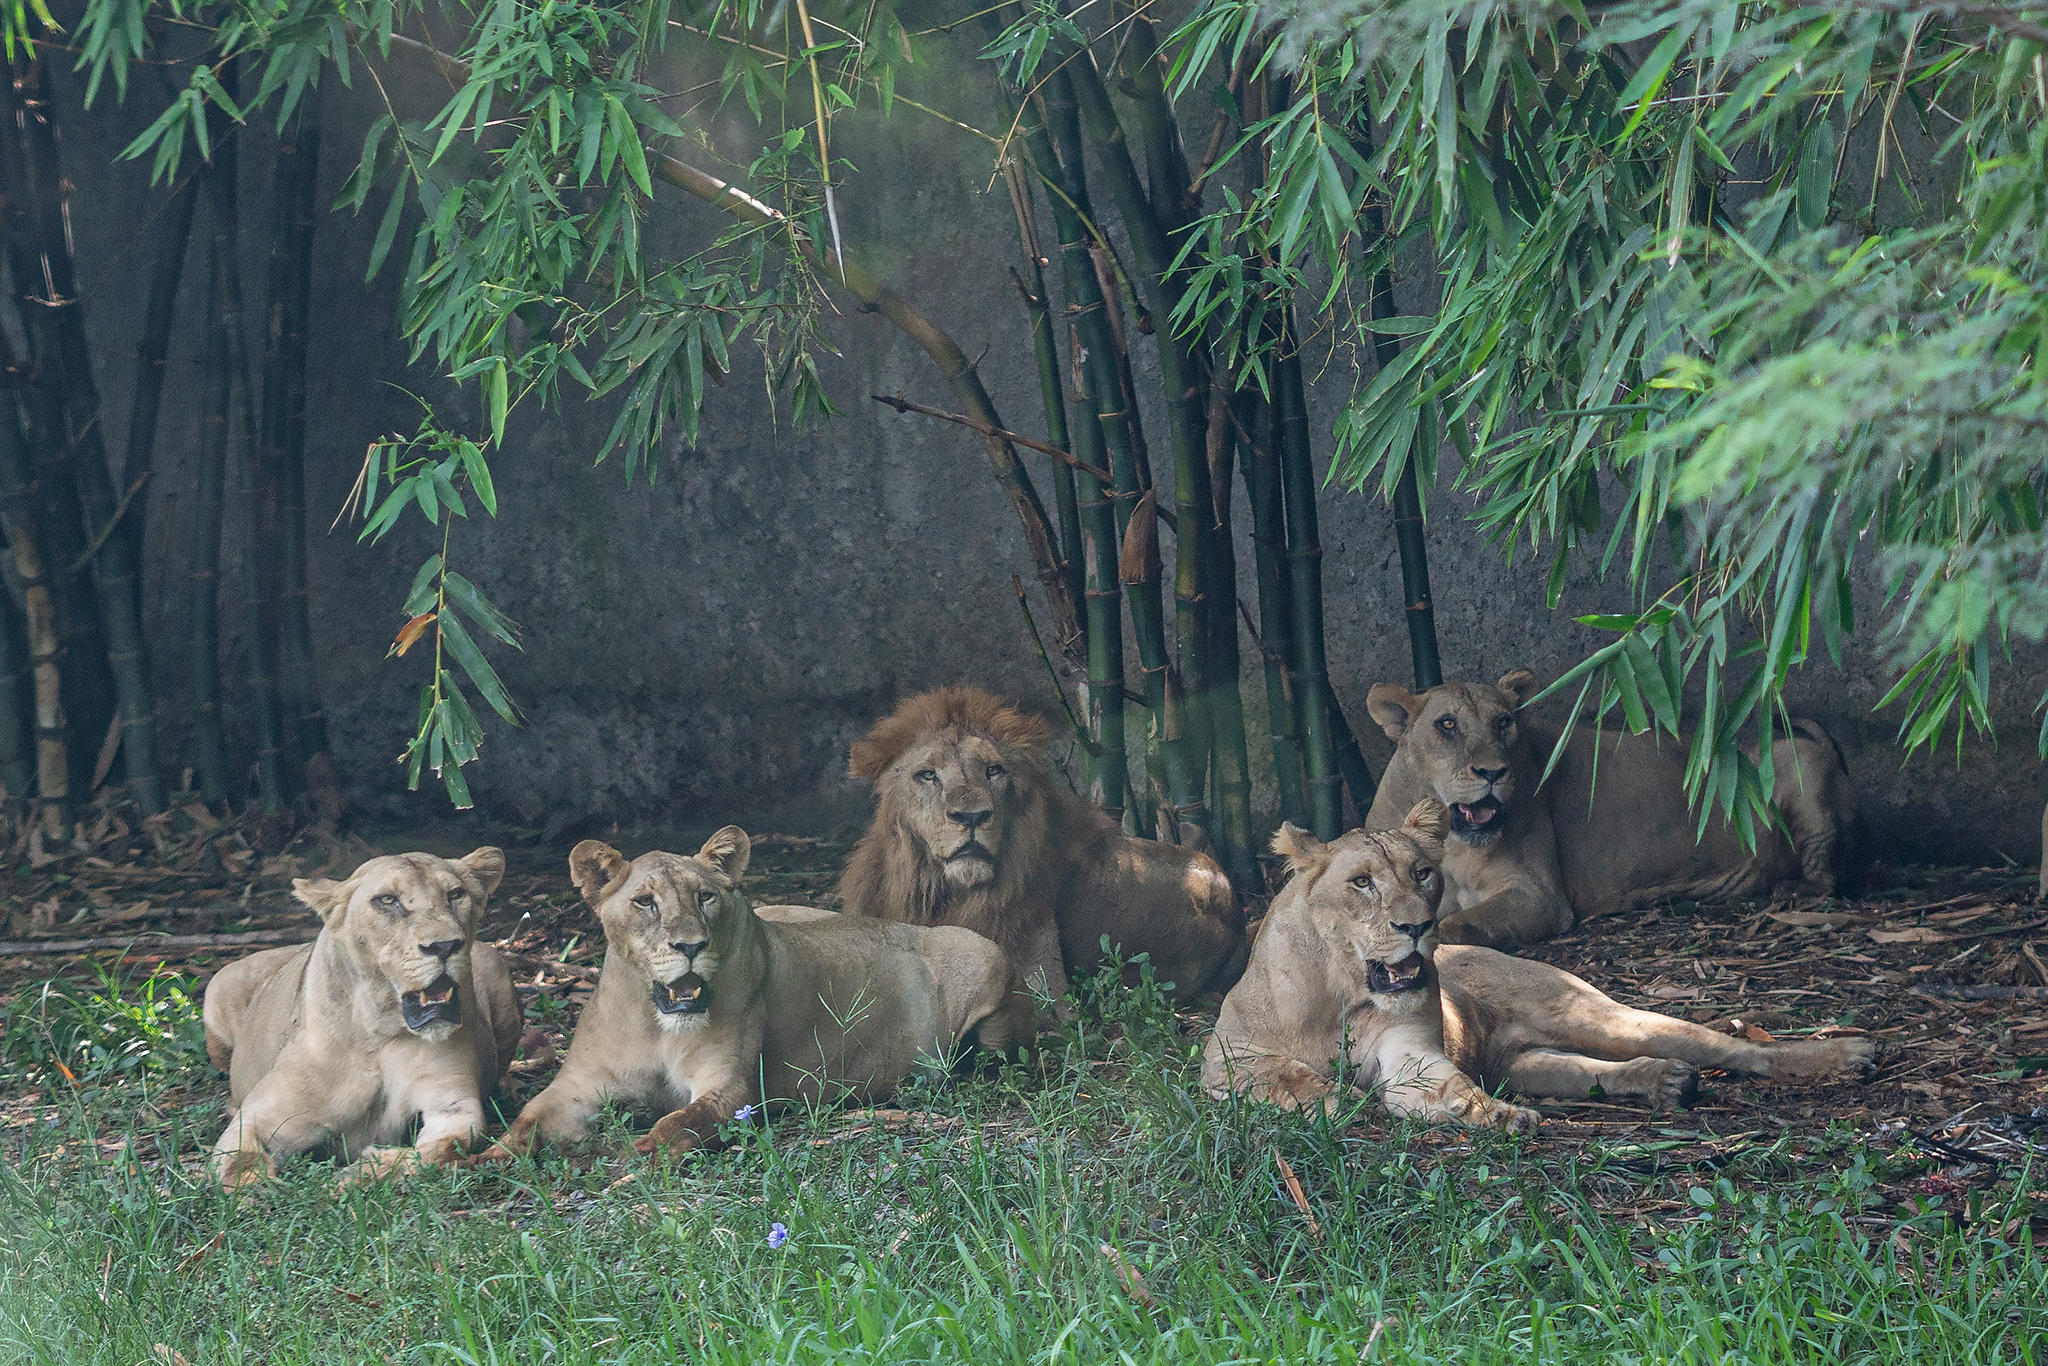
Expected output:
{"points": [[1964, 1080]]}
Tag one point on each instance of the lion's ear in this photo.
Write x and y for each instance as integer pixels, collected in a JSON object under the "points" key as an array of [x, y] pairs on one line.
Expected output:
{"points": [[1428, 822], [595, 867], [487, 865], [328, 898], [1394, 707], [728, 851], [1304, 852], [1518, 684]]}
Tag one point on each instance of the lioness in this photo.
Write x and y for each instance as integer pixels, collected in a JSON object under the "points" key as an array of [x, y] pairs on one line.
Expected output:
{"points": [[706, 1007], [1525, 862], [1347, 967], [333, 1047], [970, 829]]}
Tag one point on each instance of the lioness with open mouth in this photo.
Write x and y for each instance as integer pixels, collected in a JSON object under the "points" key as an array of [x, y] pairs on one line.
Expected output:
{"points": [[1347, 968], [393, 1013], [706, 1008]]}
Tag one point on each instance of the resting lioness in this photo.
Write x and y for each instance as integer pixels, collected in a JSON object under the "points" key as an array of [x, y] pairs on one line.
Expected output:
{"points": [[394, 1012], [1525, 862], [970, 829], [1347, 968], [705, 1007]]}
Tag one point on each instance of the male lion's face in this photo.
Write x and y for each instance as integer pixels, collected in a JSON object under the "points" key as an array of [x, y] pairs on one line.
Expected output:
{"points": [[953, 790], [411, 919], [1461, 736], [672, 917], [1372, 895]]}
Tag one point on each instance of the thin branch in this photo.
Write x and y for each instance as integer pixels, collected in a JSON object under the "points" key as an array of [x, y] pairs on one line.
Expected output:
{"points": [[904, 405]]}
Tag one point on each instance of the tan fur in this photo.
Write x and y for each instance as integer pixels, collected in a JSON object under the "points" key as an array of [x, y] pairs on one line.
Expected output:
{"points": [[1044, 873], [1308, 1000], [314, 1040], [1610, 831], [798, 1003]]}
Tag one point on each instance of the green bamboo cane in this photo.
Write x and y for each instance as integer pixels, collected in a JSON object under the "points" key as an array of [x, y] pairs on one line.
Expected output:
{"points": [[294, 216], [257, 539], [209, 750], [1186, 387], [1276, 616], [1181, 769], [62, 345], [18, 516], [1304, 556], [1096, 510], [1230, 781]]}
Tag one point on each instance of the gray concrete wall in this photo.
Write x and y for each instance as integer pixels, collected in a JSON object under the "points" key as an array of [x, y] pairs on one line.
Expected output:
{"points": [[704, 647]]}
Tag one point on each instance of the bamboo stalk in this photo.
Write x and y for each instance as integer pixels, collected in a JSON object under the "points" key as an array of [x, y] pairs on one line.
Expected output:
{"points": [[1179, 768], [88, 690], [151, 350], [1108, 769], [62, 345], [1230, 779], [296, 191], [1416, 604], [261, 679], [1304, 556], [17, 766], [39, 618], [1275, 633], [1357, 774], [209, 751], [1188, 727]]}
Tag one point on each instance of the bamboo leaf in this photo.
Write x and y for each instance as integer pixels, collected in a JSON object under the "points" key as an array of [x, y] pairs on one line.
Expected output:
{"points": [[478, 669]]}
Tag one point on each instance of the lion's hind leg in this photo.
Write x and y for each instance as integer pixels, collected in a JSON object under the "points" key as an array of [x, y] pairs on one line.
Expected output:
{"points": [[1617, 1033], [1666, 1083]]}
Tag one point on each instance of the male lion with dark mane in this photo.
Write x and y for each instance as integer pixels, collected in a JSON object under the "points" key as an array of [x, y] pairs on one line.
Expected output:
{"points": [[971, 829], [1610, 830]]}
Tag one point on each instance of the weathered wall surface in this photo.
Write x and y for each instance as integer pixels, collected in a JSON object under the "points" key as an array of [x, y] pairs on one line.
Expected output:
{"points": [[703, 648]]}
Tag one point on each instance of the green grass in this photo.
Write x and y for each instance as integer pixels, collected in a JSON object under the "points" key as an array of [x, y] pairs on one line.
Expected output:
{"points": [[978, 1234]]}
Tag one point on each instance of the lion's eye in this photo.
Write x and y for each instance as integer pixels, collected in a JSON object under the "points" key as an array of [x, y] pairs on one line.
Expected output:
{"points": [[1504, 725], [644, 903], [1362, 883], [926, 775], [1423, 875], [995, 770], [455, 897], [1447, 725], [708, 901], [389, 904]]}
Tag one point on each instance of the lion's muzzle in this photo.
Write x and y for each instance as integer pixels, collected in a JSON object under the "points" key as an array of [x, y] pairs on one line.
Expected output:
{"points": [[1389, 979], [1476, 818], [689, 994], [438, 1003]]}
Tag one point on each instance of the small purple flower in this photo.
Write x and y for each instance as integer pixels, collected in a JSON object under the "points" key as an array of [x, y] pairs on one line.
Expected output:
{"points": [[745, 1114], [777, 1236]]}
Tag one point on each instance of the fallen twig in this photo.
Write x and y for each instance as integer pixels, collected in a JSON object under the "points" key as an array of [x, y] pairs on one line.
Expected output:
{"points": [[299, 935], [1982, 993], [1315, 1230]]}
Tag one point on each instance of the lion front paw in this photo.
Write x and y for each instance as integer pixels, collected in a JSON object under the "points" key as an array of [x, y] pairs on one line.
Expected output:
{"points": [[242, 1169], [674, 1133], [379, 1164], [1514, 1119], [1676, 1086]]}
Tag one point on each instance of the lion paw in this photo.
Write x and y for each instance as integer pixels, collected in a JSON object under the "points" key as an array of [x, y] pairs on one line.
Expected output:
{"points": [[240, 1170], [1676, 1086], [1514, 1119]]}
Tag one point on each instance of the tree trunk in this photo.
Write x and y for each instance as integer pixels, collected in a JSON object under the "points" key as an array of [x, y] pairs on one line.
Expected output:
{"points": [[17, 766], [294, 216], [258, 542], [39, 617], [151, 350], [1276, 616], [1230, 779], [1305, 560], [62, 343], [209, 750]]}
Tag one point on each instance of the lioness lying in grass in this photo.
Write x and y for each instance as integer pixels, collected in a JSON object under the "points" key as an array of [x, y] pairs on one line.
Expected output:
{"points": [[1347, 968], [393, 1013], [706, 1009]]}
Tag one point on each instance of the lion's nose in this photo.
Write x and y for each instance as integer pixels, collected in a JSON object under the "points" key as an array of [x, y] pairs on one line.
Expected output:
{"points": [[1489, 775], [1416, 930], [441, 948], [690, 950], [973, 820]]}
